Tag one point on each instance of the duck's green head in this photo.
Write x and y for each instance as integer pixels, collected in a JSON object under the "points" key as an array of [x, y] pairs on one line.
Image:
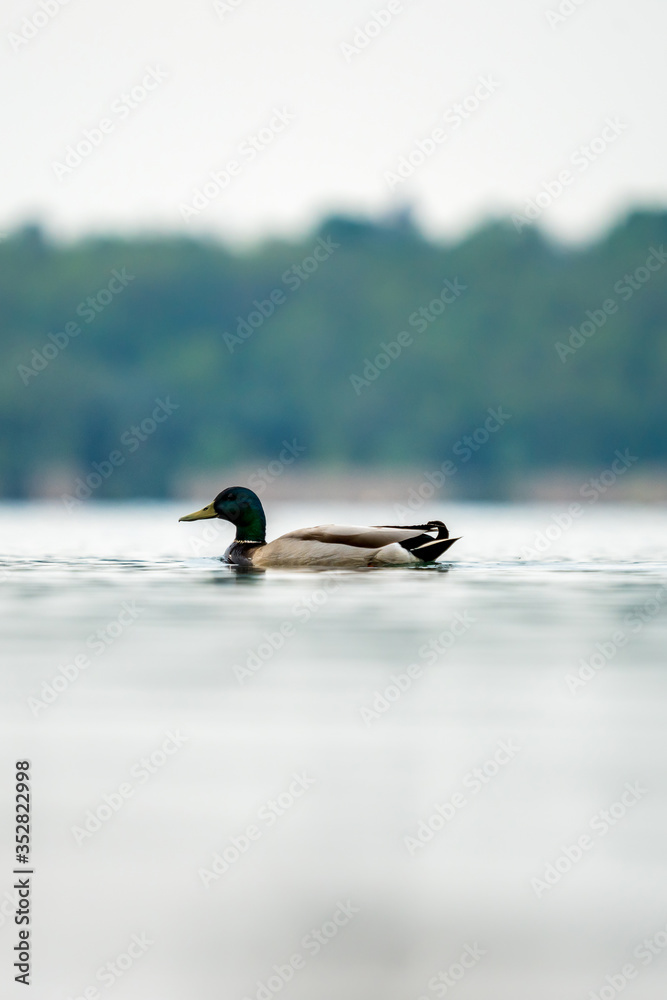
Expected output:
{"points": [[240, 506]]}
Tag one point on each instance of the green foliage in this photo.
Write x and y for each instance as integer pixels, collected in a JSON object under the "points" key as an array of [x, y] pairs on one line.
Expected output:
{"points": [[176, 329]]}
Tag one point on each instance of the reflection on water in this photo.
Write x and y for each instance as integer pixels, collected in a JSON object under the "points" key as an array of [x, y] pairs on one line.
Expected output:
{"points": [[362, 785]]}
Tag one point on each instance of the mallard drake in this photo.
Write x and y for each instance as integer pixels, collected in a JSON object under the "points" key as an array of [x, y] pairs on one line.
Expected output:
{"points": [[329, 545]]}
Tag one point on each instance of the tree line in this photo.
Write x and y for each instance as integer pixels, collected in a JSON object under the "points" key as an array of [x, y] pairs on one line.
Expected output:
{"points": [[364, 341]]}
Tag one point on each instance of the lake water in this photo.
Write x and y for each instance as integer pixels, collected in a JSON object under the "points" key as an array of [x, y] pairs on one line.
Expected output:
{"points": [[377, 785]]}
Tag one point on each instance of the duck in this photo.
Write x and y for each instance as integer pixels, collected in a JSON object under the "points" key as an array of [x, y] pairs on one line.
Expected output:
{"points": [[326, 545]]}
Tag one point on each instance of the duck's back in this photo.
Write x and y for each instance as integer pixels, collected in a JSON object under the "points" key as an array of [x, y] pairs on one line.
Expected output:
{"points": [[340, 545]]}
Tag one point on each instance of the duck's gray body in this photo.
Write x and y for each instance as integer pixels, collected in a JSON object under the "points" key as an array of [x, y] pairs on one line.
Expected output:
{"points": [[345, 545]]}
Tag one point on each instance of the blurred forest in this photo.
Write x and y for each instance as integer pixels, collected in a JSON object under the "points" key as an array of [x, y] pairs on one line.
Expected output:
{"points": [[248, 349]]}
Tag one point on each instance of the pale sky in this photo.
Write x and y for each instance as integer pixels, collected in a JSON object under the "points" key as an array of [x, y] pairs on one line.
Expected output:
{"points": [[336, 119]]}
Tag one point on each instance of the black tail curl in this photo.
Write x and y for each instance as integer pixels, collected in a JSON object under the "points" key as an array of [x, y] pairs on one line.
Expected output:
{"points": [[425, 547]]}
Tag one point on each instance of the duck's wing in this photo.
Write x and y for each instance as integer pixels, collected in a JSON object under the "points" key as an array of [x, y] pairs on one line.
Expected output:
{"points": [[365, 537], [424, 541]]}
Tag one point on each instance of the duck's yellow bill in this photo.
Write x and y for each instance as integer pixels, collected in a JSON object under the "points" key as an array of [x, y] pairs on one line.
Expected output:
{"points": [[199, 515]]}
